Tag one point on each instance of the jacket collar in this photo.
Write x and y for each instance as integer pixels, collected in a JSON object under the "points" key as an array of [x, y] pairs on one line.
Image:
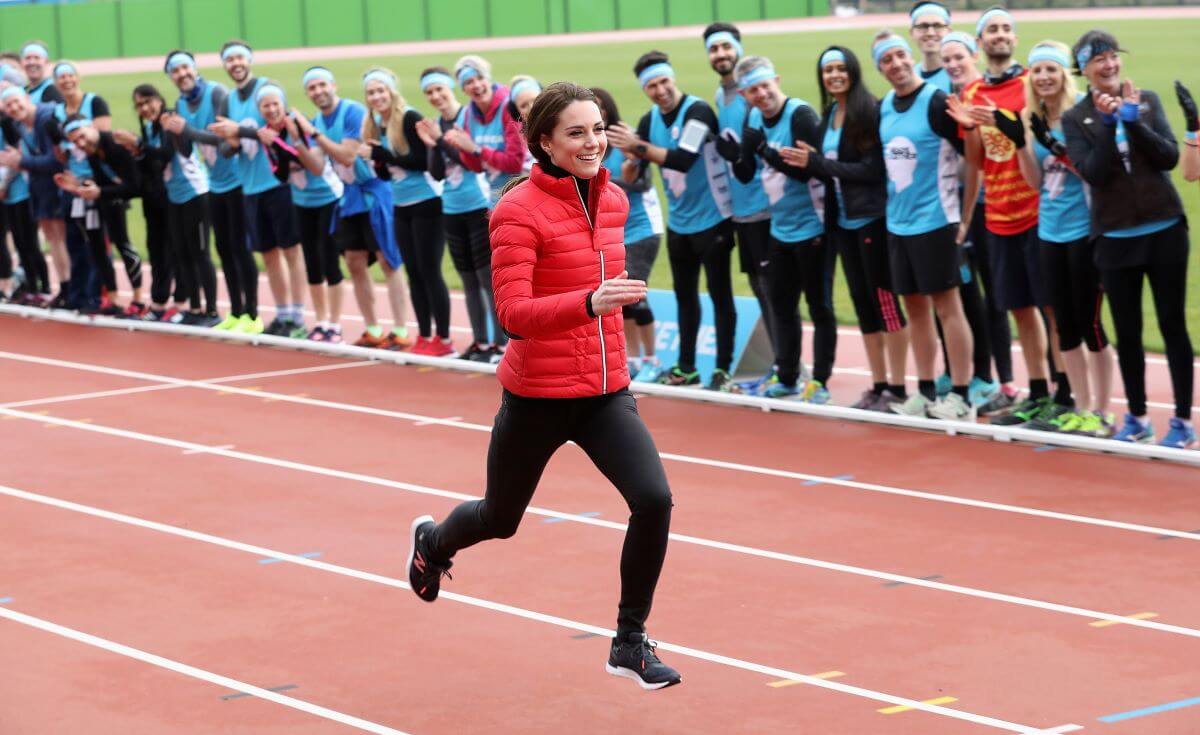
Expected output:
{"points": [[564, 188]]}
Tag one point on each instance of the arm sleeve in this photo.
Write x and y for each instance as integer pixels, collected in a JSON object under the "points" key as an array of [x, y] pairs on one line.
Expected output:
{"points": [[512, 159], [100, 107], [869, 169], [747, 163], [436, 160], [51, 94], [1155, 141], [514, 255], [121, 161], [643, 132], [804, 125], [679, 159], [1093, 160], [417, 158], [942, 123], [161, 153]]}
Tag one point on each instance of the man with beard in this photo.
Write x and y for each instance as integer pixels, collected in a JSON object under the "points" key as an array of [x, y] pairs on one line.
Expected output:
{"points": [[270, 218], [751, 215], [1011, 209]]}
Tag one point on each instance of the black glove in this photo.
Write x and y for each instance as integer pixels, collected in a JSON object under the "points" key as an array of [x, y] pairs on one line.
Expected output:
{"points": [[1190, 114], [1041, 131], [728, 148], [755, 139], [1012, 126]]}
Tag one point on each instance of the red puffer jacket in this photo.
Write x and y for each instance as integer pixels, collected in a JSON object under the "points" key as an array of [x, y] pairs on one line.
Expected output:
{"points": [[546, 258]]}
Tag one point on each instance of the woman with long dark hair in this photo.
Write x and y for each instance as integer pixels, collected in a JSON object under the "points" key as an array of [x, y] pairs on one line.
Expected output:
{"points": [[851, 159], [560, 285]]}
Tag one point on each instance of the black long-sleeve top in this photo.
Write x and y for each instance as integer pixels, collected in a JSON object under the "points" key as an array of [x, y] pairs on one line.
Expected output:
{"points": [[417, 158], [804, 124], [677, 158]]}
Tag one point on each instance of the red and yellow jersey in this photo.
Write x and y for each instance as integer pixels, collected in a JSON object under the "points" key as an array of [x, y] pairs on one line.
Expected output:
{"points": [[1010, 204]]}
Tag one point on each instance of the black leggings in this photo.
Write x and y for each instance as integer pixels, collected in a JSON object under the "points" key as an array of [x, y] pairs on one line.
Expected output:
{"points": [[117, 227], [711, 250], [237, 257], [1074, 287], [1168, 286], [422, 242], [25, 236], [467, 239], [753, 242], [189, 239], [163, 265], [803, 268], [976, 312], [865, 264], [321, 256], [526, 433], [999, 331], [6, 263]]}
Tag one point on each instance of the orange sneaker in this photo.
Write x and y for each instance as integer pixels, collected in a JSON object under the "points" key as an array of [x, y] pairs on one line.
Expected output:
{"points": [[396, 343], [366, 340]]}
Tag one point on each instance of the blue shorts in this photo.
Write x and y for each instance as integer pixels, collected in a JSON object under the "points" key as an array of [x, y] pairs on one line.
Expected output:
{"points": [[49, 202], [271, 220]]}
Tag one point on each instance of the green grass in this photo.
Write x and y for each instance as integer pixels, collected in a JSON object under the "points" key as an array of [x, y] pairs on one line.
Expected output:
{"points": [[1158, 51]]}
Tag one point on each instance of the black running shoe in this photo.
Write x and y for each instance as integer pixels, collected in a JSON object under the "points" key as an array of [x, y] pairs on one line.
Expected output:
{"points": [[634, 658], [473, 352], [424, 574], [277, 328]]}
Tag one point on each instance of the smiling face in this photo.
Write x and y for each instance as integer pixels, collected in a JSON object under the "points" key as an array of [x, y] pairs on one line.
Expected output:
{"points": [[148, 107], [722, 56], [662, 92], [272, 110], [765, 95], [184, 77], [440, 97], [378, 96], [85, 138], [237, 66], [927, 32], [524, 102], [1047, 78], [67, 83], [578, 142], [322, 93], [896, 65], [1103, 72], [836, 78], [959, 63], [35, 67], [479, 89], [18, 107], [998, 39]]}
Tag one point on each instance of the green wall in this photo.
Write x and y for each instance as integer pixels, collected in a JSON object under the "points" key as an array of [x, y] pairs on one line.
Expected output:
{"points": [[112, 28]]}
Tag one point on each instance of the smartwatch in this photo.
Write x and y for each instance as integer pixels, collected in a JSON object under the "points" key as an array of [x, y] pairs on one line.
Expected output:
{"points": [[640, 149]]}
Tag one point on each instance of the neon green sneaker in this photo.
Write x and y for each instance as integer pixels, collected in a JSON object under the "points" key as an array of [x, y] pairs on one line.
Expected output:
{"points": [[246, 325], [1069, 422], [228, 323], [1097, 425]]}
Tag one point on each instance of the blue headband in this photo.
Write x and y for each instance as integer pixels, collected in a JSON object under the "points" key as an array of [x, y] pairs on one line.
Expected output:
{"points": [[238, 49], [269, 89], [467, 73], [1049, 53], [1095, 48], [963, 38], [831, 56], [64, 67], [925, 8], [12, 91], [381, 76], [724, 37], [435, 78], [75, 125], [317, 72], [178, 59], [986, 17], [654, 71], [35, 49], [886, 45], [756, 75], [523, 86]]}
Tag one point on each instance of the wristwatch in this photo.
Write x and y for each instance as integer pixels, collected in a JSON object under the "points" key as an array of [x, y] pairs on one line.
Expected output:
{"points": [[640, 149]]}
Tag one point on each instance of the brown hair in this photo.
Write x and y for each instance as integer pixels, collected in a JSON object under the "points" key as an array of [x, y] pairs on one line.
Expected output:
{"points": [[543, 117]]}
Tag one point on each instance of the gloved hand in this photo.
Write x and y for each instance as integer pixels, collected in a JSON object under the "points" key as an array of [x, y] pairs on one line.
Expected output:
{"points": [[1041, 131], [755, 139], [1190, 114], [728, 148], [1012, 126]]}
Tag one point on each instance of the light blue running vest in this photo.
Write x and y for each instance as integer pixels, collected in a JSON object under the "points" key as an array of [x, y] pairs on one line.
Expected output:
{"points": [[797, 207], [922, 168], [699, 198]]}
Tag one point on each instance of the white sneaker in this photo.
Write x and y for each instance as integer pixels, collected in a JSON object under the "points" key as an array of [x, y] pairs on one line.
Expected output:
{"points": [[915, 405], [952, 407]]}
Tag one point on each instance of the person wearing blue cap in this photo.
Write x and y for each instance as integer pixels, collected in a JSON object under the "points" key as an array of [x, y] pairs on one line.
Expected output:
{"points": [[678, 135], [1122, 145], [270, 217], [751, 214], [197, 107], [929, 24], [35, 56]]}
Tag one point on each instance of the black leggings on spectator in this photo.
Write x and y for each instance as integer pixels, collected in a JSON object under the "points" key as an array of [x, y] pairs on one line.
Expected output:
{"points": [[237, 257], [164, 269], [21, 224], [976, 311], [526, 433], [117, 227], [1168, 286], [798, 269], [999, 330], [322, 261], [422, 241], [711, 250], [188, 223], [470, 251]]}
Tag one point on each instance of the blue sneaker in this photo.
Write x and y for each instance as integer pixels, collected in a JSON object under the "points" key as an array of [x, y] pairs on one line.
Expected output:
{"points": [[1179, 436], [943, 384], [1135, 431], [651, 372], [775, 388], [980, 392], [815, 392]]}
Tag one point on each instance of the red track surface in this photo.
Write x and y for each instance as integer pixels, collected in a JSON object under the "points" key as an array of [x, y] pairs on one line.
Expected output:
{"points": [[748, 576]]}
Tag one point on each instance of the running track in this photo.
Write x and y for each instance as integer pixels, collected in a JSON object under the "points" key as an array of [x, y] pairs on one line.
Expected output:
{"points": [[249, 530]]}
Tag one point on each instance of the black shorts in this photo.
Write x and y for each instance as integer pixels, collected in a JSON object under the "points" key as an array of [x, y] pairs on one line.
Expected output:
{"points": [[640, 257], [1017, 270], [753, 242], [355, 233], [271, 220], [925, 264]]}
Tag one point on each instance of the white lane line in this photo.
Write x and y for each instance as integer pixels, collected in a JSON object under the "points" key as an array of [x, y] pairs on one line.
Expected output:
{"points": [[450, 420], [683, 458], [601, 523], [181, 668], [696, 653], [207, 450]]}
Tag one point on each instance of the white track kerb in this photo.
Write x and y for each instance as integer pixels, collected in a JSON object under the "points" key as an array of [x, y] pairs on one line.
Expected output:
{"points": [[952, 428]]}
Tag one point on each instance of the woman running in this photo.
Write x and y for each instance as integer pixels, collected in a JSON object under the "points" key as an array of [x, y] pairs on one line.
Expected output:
{"points": [[465, 200], [851, 156], [399, 154], [643, 237], [1122, 146], [560, 282], [1067, 247]]}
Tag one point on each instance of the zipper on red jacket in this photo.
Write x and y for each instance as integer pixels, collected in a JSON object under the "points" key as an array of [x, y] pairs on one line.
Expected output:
{"points": [[599, 319]]}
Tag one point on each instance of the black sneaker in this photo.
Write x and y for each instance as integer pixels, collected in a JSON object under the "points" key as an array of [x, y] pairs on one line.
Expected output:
{"points": [[277, 328], [634, 658], [1026, 411], [676, 376], [424, 574], [472, 353], [723, 382]]}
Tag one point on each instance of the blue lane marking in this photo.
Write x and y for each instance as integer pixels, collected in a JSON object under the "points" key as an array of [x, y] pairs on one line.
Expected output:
{"points": [[1045, 448], [5, 600], [1151, 710], [589, 514], [810, 483], [276, 560]]}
